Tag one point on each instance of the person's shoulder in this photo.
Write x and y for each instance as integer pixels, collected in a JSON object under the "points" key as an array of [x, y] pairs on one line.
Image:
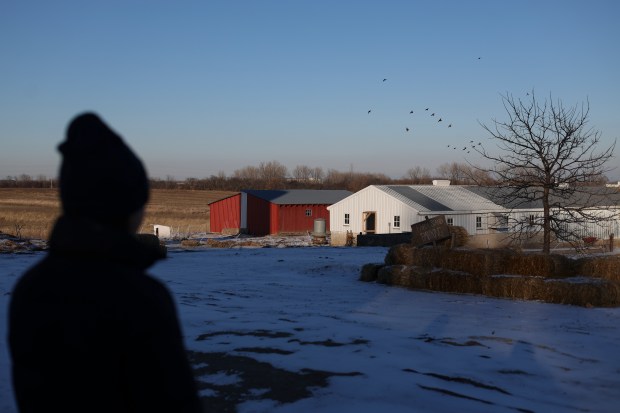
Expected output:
{"points": [[32, 276], [146, 287]]}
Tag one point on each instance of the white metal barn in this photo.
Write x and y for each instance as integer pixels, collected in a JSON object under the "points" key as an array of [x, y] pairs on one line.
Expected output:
{"points": [[606, 199], [384, 209]]}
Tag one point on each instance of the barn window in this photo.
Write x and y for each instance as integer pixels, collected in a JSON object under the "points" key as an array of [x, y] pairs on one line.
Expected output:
{"points": [[478, 222], [346, 219], [450, 221], [396, 221], [532, 219], [308, 212]]}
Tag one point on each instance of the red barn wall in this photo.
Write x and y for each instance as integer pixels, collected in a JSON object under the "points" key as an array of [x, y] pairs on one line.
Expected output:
{"points": [[258, 219], [292, 218], [225, 213], [266, 218]]}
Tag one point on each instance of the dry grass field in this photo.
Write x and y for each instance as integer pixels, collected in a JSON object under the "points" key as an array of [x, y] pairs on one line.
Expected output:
{"points": [[31, 213]]}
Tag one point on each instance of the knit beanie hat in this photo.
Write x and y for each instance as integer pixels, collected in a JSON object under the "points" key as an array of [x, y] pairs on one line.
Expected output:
{"points": [[100, 177]]}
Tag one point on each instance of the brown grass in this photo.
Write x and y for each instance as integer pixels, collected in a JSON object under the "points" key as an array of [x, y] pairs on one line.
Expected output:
{"points": [[31, 212]]}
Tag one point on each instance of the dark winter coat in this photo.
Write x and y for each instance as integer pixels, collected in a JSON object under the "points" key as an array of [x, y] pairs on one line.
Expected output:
{"points": [[89, 331]]}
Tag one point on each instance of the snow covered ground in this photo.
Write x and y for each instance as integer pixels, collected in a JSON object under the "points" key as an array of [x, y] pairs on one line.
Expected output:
{"points": [[293, 330]]}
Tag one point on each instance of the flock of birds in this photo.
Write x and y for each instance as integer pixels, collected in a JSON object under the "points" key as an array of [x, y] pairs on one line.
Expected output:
{"points": [[467, 148]]}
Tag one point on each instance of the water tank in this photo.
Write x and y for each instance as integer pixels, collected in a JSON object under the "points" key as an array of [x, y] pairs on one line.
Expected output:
{"points": [[319, 227]]}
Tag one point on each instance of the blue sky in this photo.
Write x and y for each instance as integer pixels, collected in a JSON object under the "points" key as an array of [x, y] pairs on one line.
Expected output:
{"points": [[199, 87]]}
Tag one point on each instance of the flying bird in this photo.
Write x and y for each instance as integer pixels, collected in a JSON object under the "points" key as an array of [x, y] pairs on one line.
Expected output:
{"points": [[426, 109], [432, 114], [410, 112], [407, 129], [450, 125], [384, 80], [439, 120], [369, 111]]}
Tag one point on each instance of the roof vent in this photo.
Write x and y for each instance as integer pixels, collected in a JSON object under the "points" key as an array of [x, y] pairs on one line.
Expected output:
{"points": [[441, 182]]}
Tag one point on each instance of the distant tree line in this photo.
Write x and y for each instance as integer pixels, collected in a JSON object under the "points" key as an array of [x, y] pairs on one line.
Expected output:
{"points": [[274, 175], [27, 181]]}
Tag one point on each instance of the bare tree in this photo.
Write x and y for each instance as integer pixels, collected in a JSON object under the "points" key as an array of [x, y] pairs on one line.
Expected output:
{"points": [[302, 173], [418, 175], [547, 153], [464, 174], [273, 174], [317, 174], [247, 177]]}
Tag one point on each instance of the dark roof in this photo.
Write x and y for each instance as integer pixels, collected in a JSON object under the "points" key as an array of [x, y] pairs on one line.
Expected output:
{"points": [[420, 199], [223, 198], [300, 196]]}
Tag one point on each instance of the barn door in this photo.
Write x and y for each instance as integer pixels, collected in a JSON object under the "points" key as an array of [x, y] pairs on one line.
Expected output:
{"points": [[369, 222]]}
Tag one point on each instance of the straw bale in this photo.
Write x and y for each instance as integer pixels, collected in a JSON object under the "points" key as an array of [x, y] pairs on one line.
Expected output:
{"points": [[429, 279], [476, 262], [541, 265], [400, 254], [602, 267], [460, 236], [369, 272], [190, 243], [482, 262], [580, 291]]}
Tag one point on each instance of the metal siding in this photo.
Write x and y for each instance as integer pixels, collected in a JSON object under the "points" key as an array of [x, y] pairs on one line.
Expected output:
{"points": [[244, 211], [370, 199], [258, 216], [293, 218], [225, 213], [274, 218], [386, 205]]}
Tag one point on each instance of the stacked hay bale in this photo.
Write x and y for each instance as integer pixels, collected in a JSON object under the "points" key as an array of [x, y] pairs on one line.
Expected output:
{"points": [[501, 273]]}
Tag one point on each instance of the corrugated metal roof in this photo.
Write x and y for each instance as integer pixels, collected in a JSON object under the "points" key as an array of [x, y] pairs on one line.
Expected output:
{"points": [[458, 198], [300, 196], [418, 200], [580, 197], [440, 198]]}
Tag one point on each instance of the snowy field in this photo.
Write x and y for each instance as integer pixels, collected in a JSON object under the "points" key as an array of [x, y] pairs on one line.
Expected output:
{"points": [[293, 330]]}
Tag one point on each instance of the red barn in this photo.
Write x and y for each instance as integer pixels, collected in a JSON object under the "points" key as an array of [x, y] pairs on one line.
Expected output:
{"points": [[264, 212]]}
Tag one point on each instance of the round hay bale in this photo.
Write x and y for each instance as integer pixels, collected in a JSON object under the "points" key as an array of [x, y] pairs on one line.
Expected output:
{"points": [[460, 236], [400, 254], [369, 272]]}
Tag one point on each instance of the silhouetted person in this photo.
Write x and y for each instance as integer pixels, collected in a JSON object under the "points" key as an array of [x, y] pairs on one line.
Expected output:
{"points": [[89, 330]]}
